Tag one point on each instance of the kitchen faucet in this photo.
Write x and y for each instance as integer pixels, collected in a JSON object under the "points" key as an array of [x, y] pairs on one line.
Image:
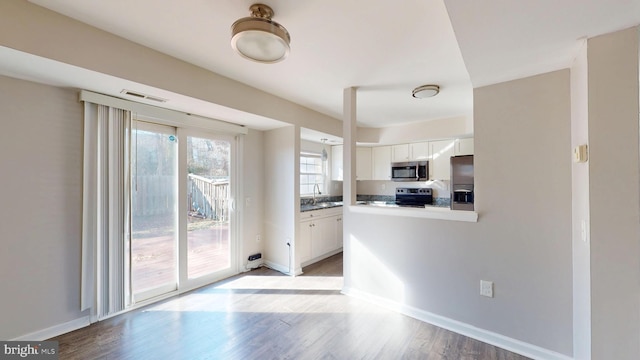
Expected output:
{"points": [[314, 193]]}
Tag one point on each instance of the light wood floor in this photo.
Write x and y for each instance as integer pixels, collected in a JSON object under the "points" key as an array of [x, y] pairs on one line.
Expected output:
{"points": [[265, 315]]}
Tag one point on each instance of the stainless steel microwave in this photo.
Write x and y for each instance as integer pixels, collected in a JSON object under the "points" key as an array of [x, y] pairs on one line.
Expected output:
{"points": [[410, 171]]}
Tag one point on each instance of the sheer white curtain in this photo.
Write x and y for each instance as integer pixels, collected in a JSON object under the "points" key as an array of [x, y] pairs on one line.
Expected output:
{"points": [[106, 207]]}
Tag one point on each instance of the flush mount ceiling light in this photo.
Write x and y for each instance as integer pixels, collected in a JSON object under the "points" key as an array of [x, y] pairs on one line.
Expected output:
{"points": [[425, 91], [259, 38]]}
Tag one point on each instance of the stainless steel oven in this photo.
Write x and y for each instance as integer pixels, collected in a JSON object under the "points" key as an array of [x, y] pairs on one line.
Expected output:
{"points": [[414, 197]]}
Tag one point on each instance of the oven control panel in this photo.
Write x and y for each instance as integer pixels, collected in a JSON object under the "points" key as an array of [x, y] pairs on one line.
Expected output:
{"points": [[413, 191]]}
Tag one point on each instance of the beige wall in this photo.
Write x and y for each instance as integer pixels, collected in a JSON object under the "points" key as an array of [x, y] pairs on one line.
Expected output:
{"points": [[614, 213], [420, 131], [41, 208], [522, 241], [253, 194]]}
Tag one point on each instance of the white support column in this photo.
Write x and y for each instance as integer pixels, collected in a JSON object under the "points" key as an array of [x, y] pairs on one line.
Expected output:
{"points": [[349, 178], [349, 138]]}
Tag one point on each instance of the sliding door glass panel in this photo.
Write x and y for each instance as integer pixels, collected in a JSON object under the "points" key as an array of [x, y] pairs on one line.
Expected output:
{"points": [[154, 215], [208, 197]]}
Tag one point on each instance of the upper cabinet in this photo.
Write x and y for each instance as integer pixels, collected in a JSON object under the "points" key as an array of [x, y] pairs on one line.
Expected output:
{"points": [[410, 152], [375, 163], [363, 163], [337, 167], [464, 146], [400, 152], [440, 164], [419, 151], [381, 156]]}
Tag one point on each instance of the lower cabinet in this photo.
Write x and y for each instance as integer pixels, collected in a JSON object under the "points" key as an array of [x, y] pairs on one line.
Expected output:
{"points": [[323, 236], [320, 235]]}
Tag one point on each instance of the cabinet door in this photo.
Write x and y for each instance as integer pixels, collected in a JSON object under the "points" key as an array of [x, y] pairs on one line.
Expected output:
{"points": [[336, 163], [464, 146], [419, 151], [304, 244], [400, 152], [381, 162], [330, 233], [440, 164], [323, 236], [363, 163]]}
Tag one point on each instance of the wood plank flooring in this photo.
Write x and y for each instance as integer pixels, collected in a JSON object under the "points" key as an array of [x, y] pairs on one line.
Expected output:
{"points": [[263, 314]]}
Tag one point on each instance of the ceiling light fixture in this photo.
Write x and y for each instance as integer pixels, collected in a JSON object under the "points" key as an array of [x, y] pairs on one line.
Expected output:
{"points": [[426, 91], [259, 38]]}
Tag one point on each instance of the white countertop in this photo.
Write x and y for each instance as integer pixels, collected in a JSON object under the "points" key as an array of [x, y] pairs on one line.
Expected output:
{"points": [[430, 212]]}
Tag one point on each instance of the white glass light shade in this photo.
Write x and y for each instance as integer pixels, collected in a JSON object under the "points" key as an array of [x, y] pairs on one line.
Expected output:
{"points": [[260, 40], [426, 91]]}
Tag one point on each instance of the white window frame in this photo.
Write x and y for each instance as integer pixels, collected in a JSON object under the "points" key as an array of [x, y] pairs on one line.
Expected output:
{"points": [[322, 173]]}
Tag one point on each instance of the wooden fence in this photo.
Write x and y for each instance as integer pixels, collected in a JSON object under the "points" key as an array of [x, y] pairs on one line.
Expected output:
{"points": [[153, 195], [207, 199]]}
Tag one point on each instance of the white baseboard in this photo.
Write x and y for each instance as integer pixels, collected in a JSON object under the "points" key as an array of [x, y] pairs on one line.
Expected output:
{"points": [[56, 330], [321, 257], [501, 341], [277, 267], [251, 265]]}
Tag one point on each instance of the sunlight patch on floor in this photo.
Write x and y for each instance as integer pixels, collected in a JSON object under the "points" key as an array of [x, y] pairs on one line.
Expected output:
{"points": [[284, 283]]}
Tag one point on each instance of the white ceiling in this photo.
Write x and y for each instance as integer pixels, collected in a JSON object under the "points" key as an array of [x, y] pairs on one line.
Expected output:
{"points": [[384, 48], [505, 39]]}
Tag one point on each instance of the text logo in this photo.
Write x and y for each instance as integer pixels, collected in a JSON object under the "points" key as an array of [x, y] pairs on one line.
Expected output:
{"points": [[29, 350]]}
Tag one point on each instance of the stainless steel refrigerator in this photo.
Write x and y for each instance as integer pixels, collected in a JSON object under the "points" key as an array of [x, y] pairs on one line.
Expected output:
{"points": [[462, 193]]}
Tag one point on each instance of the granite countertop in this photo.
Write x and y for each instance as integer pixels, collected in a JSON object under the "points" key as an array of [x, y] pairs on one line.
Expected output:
{"points": [[320, 205], [367, 201]]}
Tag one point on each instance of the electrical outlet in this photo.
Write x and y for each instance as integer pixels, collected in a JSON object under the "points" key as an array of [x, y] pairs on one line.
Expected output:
{"points": [[255, 257], [486, 288]]}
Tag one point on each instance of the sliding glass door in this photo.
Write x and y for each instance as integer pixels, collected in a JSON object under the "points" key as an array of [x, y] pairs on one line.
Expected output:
{"points": [[181, 210], [209, 249], [154, 215]]}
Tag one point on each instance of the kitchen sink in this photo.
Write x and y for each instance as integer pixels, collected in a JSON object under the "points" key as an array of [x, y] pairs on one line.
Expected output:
{"points": [[320, 205]]}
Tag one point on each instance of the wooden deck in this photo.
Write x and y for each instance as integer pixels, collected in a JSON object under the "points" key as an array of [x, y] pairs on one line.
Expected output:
{"points": [[153, 259], [263, 314]]}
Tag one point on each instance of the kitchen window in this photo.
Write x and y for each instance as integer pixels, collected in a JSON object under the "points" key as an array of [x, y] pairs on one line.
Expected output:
{"points": [[312, 173]]}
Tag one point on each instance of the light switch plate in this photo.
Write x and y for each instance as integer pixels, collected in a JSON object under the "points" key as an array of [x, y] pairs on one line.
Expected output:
{"points": [[486, 288], [580, 154]]}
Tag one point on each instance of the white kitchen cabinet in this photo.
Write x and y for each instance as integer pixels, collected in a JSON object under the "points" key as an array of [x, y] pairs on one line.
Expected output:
{"points": [[320, 234], [440, 164], [400, 152], [337, 168], [324, 237], [419, 151], [363, 163], [381, 156], [464, 146], [304, 242]]}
